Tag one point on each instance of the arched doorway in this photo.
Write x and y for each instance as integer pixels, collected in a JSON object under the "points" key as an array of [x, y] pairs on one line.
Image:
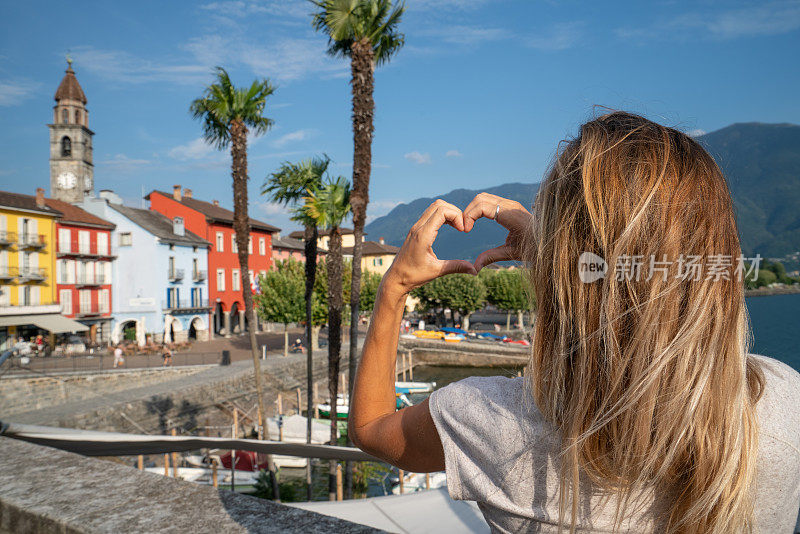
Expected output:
{"points": [[219, 319], [236, 327], [124, 331], [196, 326]]}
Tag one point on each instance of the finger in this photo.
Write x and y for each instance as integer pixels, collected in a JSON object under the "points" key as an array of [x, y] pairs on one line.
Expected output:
{"points": [[445, 213], [426, 214], [493, 255], [483, 205], [455, 267]]}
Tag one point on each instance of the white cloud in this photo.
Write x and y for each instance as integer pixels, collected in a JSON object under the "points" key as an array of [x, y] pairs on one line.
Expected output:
{"points": [[466, 35], [453, 154], [194, 149], [292, 137], [770, 18], [558, 37], [697, 132], [121, 163], [270, 208], [12, 92], [418, 157], [241, 9], [421, 5], [123, 67]]}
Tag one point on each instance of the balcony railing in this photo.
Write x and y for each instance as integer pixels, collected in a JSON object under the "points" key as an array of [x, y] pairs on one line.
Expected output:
{"points": [[185, 304], [27, 274], [7, 238], [175, 275], [81, 248], [89, 280], [199, 276], [32, 241], [8, 273], [92, 309]]}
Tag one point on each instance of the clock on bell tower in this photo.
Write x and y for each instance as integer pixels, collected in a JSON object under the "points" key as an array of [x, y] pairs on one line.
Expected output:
{"points": [[71, 168]]}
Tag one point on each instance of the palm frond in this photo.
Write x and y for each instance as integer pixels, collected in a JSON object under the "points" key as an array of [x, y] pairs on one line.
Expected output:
{"points": [[348, 21]]}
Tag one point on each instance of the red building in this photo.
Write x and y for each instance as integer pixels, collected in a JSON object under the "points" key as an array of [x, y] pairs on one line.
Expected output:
{"points": [[215, 224], [83, 268]]}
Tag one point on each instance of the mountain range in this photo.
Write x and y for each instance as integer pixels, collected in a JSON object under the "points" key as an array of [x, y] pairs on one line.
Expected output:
{"points": [[760, 161]]}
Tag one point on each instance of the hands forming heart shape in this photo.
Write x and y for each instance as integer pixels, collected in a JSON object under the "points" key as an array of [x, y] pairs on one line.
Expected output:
{"points": [[416, 263]]}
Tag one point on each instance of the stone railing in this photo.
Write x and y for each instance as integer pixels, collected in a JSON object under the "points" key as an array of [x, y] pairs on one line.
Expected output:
{"points": [[44, 490]]}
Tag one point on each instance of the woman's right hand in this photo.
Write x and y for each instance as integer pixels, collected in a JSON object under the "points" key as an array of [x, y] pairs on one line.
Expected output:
{"points": [[510, 214]]}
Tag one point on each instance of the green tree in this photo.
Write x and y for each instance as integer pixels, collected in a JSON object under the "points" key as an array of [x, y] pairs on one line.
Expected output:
{"points": [[366, 32], [288, 186], [227, 112], [329, 205], [369, 290], [462, 293], [280, 299], [506, 289]]}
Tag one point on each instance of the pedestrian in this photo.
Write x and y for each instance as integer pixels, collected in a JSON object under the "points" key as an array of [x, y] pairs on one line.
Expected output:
{"points": [[39, 344], [167, 356], [118, 359]]}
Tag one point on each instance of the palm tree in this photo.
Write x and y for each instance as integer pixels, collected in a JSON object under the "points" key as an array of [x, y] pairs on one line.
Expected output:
{"points": [[287, 186], [366, 31], [329, 206], [227, 112]]}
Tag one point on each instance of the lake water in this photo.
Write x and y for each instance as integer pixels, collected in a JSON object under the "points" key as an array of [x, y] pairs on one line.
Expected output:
{"points": [[775, 321]]}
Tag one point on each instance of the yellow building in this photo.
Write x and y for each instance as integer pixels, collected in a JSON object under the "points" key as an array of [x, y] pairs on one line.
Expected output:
{"points": [[28, 304], [324, 239], [376, 256]]}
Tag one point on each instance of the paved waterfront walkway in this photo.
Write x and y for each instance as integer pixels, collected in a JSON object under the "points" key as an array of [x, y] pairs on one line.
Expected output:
{"points": [[273, 367]]}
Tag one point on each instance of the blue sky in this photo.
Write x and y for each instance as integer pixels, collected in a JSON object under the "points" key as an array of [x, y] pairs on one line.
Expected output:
{"points": [[480, 95]]}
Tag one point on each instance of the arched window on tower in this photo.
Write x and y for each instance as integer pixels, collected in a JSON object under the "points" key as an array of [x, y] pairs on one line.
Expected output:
{"points": [[64, 116], [77, 116], [66, 147]]}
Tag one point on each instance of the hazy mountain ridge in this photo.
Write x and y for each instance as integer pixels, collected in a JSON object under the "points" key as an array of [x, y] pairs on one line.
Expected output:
{"points": [[760, 161]]}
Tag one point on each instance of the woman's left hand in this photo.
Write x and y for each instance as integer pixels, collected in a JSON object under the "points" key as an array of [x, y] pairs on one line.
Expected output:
{"points": [[416, 263]]}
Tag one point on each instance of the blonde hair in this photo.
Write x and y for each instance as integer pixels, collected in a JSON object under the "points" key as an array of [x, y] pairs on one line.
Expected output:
{"points": [[648, 380]]}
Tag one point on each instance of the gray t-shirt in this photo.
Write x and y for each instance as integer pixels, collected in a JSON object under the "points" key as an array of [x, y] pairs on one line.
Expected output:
{"points": [[501, 452]]}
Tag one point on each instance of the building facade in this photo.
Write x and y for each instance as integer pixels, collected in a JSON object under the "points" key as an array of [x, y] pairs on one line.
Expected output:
{"points": [[71, 167], [376, 256], [160, 285], [83, 269], [284, 248], [214, 223], [28, 303]]}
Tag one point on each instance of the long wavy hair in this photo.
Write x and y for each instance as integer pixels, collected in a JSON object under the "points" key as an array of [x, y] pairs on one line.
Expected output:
{"points": [[646, 375]]}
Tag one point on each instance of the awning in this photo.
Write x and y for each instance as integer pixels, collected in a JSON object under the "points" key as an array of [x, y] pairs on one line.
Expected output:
{"points": [[52, 322]]}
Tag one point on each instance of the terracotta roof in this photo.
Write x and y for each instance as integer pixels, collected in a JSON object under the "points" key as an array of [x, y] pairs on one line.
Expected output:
{"points": [[287, 243], [75, 215], [298, 234], [159, 225], [372, 248], [25, 202], [215, 213], [69, 88]]}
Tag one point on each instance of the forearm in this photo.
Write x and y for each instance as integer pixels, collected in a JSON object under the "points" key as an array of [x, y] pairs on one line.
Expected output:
{"points": [[373, 390]]}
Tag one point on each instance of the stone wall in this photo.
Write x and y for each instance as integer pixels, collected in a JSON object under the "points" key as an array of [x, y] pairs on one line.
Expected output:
{"points": [[44, 490], [25, 393], [466, 354]]}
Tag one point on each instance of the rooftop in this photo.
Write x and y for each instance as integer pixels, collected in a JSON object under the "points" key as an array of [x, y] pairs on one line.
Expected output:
{"points": [[69, 88], [298, 234], [213, 212], [75, 215], [287, 243], [159, 225], [372, 248], [25, 202]]}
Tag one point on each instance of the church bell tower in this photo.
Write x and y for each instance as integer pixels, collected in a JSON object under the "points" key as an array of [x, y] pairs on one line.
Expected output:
{"points": [[71, 168]]}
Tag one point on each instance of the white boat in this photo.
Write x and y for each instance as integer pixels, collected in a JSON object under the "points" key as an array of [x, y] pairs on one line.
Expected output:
{"points": [[414, 387], [204, 475]]}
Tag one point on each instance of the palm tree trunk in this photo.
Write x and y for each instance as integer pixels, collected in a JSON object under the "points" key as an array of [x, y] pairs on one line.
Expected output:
{"points": [[310, 236], [241, 226], [335, 305], [362, 70]]}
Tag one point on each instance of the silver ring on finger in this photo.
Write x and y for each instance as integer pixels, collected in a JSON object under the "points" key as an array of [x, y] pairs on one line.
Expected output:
{"points": [[496, 212]]}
